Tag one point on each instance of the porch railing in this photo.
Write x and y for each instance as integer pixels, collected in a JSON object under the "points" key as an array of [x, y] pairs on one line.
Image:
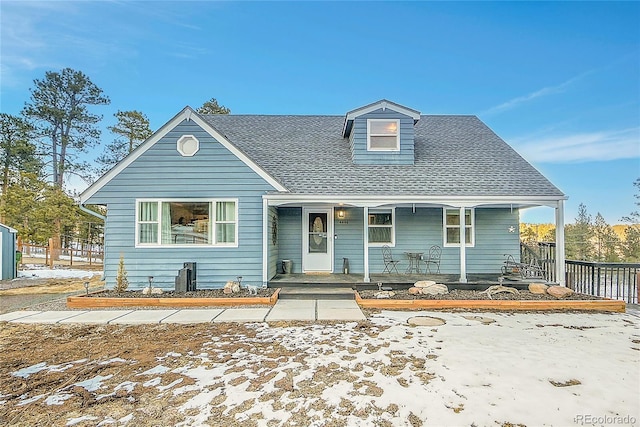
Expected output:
{"points": [[542, 254], [611, 280]]}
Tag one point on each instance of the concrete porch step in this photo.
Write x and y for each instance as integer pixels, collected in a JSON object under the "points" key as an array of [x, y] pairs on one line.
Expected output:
{"points": [[317, 293]]}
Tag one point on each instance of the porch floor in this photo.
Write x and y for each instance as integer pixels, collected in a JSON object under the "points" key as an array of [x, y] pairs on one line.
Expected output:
{"points": [[298, 279]]}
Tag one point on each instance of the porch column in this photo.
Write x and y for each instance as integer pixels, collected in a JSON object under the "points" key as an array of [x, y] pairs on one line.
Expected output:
{"points": [[265, 241], [365, 239], [560, 268], [463, 246]]}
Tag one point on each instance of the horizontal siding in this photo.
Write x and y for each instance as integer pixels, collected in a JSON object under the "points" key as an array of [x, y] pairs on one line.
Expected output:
{"points": [[290, 236], [162, 173], [272, 268], [415, 232], [418, 232], [358, 141], [349, 241]]}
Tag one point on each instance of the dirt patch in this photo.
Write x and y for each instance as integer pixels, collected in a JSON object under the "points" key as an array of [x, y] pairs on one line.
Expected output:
{"points": [[49, 286]]}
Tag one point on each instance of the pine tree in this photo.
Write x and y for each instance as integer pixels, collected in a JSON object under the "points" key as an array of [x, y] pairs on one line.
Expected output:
{"points": [[59, 110], [122, 282], [212, 107], [131, 130]]}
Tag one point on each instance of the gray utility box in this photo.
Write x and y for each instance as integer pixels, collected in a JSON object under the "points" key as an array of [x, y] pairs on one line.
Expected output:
{"points": [[186, 278]]}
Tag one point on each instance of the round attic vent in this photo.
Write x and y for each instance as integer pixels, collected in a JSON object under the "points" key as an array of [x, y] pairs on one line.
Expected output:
{"points": [[188, 145]]}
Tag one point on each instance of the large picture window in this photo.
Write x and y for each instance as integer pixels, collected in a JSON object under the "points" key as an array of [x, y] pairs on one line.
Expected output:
{"points": [[176, 222], [452, 227], [381, 227], [383, 135]]}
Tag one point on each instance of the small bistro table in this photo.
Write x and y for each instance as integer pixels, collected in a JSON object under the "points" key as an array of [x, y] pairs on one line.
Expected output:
{"points": [[414, 261]]}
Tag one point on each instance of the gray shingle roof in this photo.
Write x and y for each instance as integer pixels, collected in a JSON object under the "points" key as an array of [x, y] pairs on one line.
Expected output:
{"points": [[454, 156]]}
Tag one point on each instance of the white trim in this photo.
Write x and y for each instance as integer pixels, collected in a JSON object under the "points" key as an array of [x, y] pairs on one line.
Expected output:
{"points": [[212, 222], [560, 242], [180, 145], [472, 226], [330, 236], [369, 134], [377, 201], [265, 244], [393, 227], [384, 104], [463, 248], [365, 239], [186, 114]]}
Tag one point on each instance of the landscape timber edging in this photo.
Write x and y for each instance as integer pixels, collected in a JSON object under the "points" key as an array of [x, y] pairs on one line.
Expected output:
{"points": [[83, 301], [503, 305]]}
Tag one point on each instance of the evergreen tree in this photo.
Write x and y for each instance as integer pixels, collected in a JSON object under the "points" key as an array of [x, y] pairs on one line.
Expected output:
{"points": [[131, 130], [578, 236], [212, 107], [17, 152], [631, 245], [59, 108]]}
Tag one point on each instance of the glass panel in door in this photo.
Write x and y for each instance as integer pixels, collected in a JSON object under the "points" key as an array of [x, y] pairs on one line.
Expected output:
{"points": [[317, 232]]}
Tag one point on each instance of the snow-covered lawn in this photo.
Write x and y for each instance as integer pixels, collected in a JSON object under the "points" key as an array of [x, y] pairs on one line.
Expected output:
{"points": [[43, 272], [532, 369]]}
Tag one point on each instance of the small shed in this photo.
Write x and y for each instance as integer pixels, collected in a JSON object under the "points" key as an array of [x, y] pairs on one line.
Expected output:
{"points": [[8, 247]]}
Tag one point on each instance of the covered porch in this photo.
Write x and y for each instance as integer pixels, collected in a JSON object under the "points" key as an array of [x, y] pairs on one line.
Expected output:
{"points": [[490, 229]]}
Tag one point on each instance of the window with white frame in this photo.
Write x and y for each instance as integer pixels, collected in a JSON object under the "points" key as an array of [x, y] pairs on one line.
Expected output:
{"points": [[188, 222], [382, 227], [383, 135], [452, 227]]}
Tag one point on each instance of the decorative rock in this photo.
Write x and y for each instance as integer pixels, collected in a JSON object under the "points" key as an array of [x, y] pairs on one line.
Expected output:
{"points": [[152, 291], [496, 289], [424, 283], [435, 289], [559, 291], [425, 321], [384, 294], [415, 291], [231, 287], [538, 288]]}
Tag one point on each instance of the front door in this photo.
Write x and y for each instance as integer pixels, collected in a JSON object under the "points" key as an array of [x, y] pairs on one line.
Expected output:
{"points": [[317, 240]]}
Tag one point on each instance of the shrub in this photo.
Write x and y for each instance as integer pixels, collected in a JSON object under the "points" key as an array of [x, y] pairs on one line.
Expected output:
{"points": [[122, 283]]}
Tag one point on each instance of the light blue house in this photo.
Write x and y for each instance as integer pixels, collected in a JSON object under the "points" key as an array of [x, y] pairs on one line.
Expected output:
{"points": [[8, 247], [237, 194]]}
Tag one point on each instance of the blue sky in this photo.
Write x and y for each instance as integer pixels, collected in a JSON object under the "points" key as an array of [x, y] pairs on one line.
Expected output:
{"points": [[559, 81]]}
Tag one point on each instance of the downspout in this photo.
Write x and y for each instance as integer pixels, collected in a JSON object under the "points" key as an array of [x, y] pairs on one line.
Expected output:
{"points": [[560, 255], [90, 212]]}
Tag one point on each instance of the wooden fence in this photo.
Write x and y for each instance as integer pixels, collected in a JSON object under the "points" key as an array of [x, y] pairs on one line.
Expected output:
{"points": [[79, 255]]}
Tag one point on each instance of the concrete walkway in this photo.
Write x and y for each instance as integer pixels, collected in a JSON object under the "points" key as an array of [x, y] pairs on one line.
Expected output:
{"points": [[283, 310]]}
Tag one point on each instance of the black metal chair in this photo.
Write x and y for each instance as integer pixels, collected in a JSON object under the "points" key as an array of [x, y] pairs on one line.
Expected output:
{"points": [[433, 258], [390, 264]]}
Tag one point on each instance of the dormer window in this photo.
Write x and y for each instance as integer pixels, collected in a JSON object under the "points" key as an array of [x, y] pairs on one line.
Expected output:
{"points": [[383, 135]]}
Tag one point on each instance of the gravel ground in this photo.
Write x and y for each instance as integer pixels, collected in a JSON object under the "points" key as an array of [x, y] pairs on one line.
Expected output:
{"points": [[204, 293], [476, 295]]}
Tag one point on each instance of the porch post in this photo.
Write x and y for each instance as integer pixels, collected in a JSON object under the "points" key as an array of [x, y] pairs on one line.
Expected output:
{"points": [[365, 239], [463, 246], [560, 257], [265, 242]]}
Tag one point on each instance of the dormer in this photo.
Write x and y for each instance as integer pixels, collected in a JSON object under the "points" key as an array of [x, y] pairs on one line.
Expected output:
{"points": [[381, 134]]}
